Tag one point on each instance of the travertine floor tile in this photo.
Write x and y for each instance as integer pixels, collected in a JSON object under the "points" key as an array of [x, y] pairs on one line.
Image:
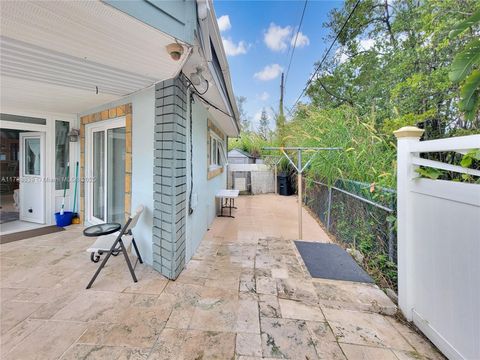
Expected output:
{"points": [[48, 341], [269, 306], [353, 296], [363, 328], [103, 352], [248, 317], [285, 338], [422, 346], [292, 309], [359, 352], [193, 344], [17, 334], [14, 312], [244, 294], [266, 285], [292, 289], [248, 345]]}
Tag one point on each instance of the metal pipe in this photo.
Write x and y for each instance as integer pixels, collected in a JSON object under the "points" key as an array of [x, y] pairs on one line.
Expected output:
{"points": [[299, 186], [329, 207], [301, 148], [275, 180], [358, 197]]}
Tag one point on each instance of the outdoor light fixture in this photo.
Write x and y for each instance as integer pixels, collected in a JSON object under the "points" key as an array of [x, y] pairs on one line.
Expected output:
{"points": [[198, 80], [175, 50], [73, 135]]}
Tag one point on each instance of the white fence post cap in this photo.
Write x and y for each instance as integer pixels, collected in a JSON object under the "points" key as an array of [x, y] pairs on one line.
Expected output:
{"points": [[409, 132]]}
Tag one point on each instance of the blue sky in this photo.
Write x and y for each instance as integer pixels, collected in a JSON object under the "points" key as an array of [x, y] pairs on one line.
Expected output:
{"points": [[257, 37]]}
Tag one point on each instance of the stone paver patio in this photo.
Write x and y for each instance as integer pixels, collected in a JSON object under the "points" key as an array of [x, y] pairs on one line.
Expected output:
{"points": [[245, 295]]}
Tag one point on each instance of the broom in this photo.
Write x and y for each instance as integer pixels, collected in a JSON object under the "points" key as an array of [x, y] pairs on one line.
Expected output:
{"points": [[65, 189], [76, 218]]}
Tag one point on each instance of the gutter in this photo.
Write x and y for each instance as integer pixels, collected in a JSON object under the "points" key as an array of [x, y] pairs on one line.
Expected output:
{"points": [[209, 29]]}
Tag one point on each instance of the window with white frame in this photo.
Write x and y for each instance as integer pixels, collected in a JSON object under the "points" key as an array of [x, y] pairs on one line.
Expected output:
{"points": [[216, 149]]}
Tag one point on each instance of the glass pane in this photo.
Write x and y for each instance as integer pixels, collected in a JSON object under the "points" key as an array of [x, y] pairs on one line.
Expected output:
{"points": [[32, 156], [116, 175], [99, 175], [62, 147]]}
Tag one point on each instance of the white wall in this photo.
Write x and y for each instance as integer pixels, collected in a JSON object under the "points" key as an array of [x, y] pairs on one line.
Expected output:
{"points": [[262, 177], [203, 195], [143, 115]]}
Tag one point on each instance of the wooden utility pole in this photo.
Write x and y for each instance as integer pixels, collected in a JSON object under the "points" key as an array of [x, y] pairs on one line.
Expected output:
{"points": [[281, 116], [282, 89]]}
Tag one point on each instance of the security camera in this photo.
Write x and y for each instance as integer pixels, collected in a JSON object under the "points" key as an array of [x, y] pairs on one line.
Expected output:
{"points": [[175, 50]]}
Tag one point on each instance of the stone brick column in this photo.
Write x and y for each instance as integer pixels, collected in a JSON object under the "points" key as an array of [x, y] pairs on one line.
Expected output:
{"points": [[170, 177]]}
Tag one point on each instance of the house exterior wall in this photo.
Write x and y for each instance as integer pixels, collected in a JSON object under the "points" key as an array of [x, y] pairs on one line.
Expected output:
{"points": [[167, 236], [170, 177], [53, 198], [204, 188], [142, 128]]}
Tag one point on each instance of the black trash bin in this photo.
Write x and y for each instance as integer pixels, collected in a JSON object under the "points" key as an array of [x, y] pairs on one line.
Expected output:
{"points": [[284, 186]]}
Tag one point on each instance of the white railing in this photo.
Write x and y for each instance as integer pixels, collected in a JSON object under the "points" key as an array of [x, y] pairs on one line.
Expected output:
{"points": [[438, 234]]}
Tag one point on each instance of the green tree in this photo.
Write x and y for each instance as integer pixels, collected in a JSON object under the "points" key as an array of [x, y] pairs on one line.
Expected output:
{"points": [[264, 125], [245, 121], [463, 64], [392, 64]]}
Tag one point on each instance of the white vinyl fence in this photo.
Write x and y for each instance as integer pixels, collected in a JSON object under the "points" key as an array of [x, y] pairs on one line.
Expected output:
{"points": [[439, 246], [252, 178]]}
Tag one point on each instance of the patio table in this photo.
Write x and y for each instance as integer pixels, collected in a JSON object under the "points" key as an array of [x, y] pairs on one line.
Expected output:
{"points": [[227, 200], [101, 229]]}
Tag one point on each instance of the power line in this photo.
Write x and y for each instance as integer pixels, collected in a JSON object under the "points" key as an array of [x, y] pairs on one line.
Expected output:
{"points": [[326, 54], [295, 42]]}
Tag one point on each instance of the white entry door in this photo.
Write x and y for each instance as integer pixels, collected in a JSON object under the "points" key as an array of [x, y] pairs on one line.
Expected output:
{"points": [[32, 177], [105, 165]]}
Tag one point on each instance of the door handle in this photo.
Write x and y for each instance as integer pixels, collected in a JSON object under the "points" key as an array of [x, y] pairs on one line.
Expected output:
{"points": [[30, 210]]}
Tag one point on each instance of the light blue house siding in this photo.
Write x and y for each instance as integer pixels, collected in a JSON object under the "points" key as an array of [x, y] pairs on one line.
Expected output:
{"points": [[143, 114], [177, 18], [204, 190]]}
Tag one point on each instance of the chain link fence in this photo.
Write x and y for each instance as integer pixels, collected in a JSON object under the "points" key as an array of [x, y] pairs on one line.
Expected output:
{"points": [[362, 217]]}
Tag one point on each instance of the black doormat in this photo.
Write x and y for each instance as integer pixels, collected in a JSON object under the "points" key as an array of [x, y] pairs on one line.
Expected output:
{"points": [[21, 235], [330, 261]]}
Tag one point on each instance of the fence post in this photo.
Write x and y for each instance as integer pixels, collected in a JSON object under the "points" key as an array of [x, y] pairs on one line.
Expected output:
{"points": [[391, 239], [406, 136], [329, 206]]}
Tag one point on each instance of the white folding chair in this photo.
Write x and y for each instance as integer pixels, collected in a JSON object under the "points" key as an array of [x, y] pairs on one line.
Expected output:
{"points": [[113, 244]]}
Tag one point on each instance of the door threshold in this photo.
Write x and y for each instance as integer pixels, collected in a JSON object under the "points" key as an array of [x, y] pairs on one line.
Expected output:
{"points": [[17, 226]]}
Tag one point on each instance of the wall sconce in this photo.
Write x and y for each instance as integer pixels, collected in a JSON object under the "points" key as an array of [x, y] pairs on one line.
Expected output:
{"points": [[198, 80], [73, 135]]}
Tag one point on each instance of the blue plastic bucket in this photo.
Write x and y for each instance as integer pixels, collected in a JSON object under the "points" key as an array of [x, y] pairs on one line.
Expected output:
{"points": [[65, 219]]}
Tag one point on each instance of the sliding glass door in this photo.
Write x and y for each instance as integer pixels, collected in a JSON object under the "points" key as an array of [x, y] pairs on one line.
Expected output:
{"points": [[105, 167]]}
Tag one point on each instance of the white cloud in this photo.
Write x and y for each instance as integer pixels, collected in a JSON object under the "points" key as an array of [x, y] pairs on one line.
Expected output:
{"points": [[232, 49], [276, 38], [264, 96], [340, 55], [224, 23], [302, 40], [366, 44], [269, 72]]}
